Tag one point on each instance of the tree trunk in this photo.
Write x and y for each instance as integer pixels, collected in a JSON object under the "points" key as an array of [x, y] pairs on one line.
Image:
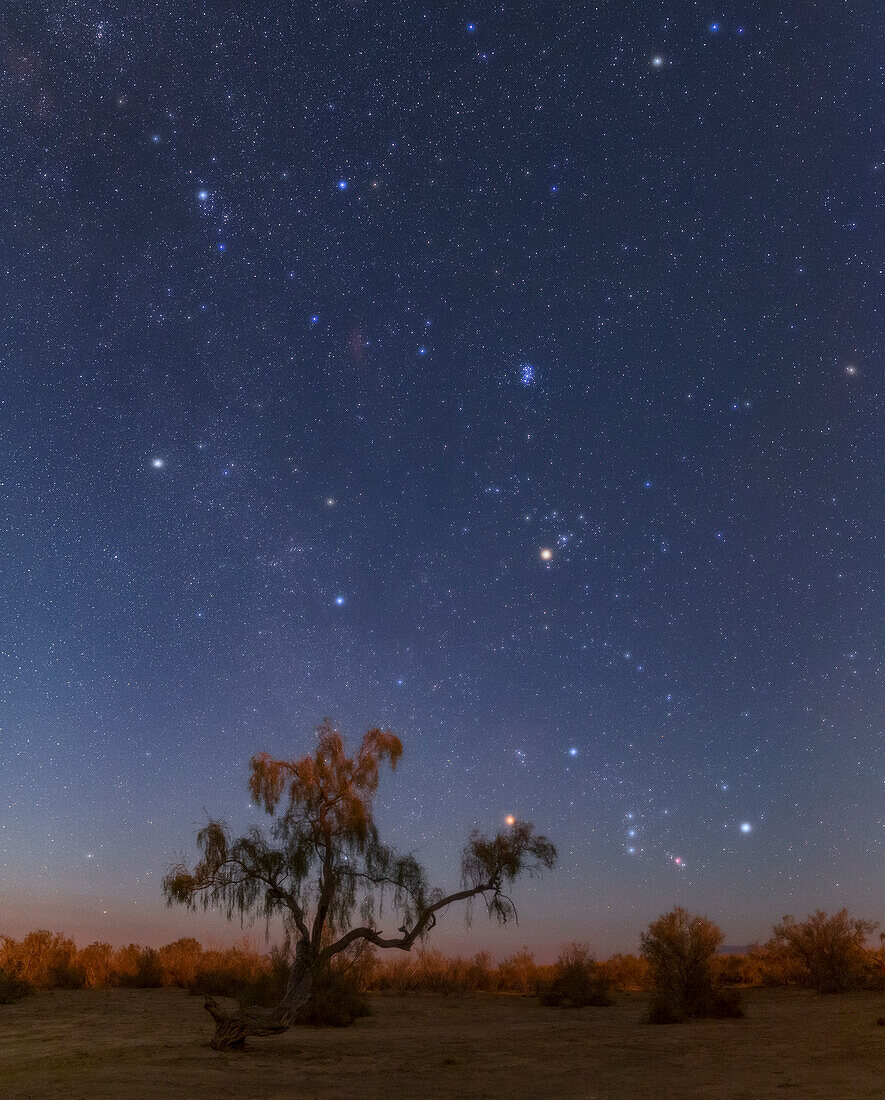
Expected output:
{"points": [[231, 1029]]}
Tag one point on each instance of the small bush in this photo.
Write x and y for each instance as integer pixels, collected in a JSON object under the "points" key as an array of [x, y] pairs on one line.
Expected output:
{"points": [[576, 981], [96, 964], [680, 948], [140, 968], [43, 960], [180, 962], [626, 972], [334, 1002], [11, 988], [518, 973]]}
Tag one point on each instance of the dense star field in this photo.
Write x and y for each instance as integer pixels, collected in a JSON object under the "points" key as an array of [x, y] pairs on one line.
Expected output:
{"points": [[506, 375]]}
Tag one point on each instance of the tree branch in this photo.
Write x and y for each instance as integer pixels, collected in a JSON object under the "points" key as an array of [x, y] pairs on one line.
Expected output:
{"points": [[426, 920]]}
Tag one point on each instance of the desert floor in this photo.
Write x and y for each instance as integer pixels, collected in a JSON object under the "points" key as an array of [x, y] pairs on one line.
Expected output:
{"points": [[135, 1043]]}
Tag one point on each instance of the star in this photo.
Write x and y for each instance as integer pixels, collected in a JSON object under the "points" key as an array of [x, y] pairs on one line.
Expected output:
{"points": [[342, 185], [746, 827], [158, 463], [510, 820], [851, 370], [339, 601], [657, 61], [546, 554]]}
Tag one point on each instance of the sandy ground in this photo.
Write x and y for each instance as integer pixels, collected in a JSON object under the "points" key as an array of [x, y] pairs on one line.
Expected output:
{"points": [[137, 1043]]}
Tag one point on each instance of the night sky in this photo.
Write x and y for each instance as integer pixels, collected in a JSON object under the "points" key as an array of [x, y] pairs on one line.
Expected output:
{"points": [[507, 375]]}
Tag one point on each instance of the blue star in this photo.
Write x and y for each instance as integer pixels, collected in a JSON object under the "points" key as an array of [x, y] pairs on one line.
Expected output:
{"points": [[222, 247], [339, 601], [314, 320], [202, 195], [342, 185], [714, 28], [573, 752], [471, 28]]}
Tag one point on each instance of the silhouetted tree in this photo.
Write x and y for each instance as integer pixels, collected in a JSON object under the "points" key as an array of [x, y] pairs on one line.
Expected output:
{"points": [[323, 862], [827, 953]]}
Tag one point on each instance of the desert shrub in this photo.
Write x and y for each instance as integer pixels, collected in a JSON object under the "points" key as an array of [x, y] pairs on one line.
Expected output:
{"points": [[125, 964], [146, 973], [480, 976], [43, 960], [751, 966], [679, 947], [518, 973], [361, 963], [264, 986], [335, 998], [737, 969], [235, 972], [626, 972], [826, 953], [334, 1001], [435, 973], [432, 972], [180, 962], [396, 975], [778, 966], [137, 967], [11, 988], [96, 965], [576, 981]]}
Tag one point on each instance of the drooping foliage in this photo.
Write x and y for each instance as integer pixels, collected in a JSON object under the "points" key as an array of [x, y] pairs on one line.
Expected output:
{"points": [[322, 850], [322, 865]]}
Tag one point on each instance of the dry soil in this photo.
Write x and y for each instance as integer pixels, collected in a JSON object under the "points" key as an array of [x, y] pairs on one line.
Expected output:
{"points": [[154, 1043]]}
